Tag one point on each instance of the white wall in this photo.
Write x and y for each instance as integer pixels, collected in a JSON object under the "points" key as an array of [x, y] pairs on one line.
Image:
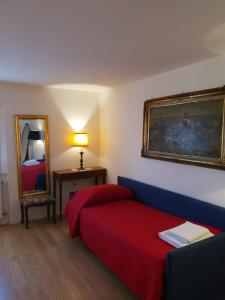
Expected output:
{"points": [[121, 116], [65, 110]]}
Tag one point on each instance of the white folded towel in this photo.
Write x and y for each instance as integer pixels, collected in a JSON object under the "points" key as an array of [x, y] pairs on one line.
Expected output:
{"points": [[188, 232], [185, 234], [32, 162]]}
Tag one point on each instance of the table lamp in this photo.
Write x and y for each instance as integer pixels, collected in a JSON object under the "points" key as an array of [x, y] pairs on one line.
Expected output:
{"points": [[81, 140]]}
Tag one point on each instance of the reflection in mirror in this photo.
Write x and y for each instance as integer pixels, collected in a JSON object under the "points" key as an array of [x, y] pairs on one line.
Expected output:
{"points": [[32, 154]]}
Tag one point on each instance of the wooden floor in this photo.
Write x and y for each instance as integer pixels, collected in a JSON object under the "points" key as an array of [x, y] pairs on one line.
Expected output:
{"points": [[44, 263]]}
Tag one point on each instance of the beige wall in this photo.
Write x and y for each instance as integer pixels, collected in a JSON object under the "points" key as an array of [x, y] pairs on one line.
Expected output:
{"points": [[64, 109], [121, 116]]}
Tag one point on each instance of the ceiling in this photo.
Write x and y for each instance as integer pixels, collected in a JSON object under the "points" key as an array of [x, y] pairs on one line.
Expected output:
{"points": [[105, 42]]}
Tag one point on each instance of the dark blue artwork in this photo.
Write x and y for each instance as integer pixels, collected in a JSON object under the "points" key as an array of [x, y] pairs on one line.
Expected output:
{"points": [[193, 129]]}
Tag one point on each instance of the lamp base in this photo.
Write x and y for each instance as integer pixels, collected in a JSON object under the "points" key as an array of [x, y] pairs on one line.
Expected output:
{"points": [[81, 160], [84, 169], [81, 169]]}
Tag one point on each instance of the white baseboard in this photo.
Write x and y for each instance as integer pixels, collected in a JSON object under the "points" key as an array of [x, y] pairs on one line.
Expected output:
{"points": [[4, 220]]}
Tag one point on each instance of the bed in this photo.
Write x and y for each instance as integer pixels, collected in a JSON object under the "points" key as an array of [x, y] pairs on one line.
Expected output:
{"points": [[33, 177], [120, 224]]}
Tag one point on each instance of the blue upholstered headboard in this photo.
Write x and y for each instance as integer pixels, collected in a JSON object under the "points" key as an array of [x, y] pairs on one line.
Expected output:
{"points": [[176, 204]]}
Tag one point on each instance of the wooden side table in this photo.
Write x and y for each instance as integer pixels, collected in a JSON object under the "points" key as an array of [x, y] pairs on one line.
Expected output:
{"points": [[61, 176]]}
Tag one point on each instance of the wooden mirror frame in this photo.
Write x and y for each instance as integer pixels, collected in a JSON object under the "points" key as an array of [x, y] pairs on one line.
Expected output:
{"points": [[18, 148]]}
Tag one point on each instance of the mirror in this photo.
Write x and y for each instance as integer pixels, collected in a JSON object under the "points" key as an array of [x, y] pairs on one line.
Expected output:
{"points": [[32, 154]]}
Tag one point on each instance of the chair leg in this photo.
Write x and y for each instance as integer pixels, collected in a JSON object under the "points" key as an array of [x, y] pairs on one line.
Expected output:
{"points": [[48, 212], [22, 213], [54, 212], [27, 217]]}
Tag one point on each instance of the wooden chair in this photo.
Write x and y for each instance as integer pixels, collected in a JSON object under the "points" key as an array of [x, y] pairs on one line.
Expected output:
{"points": [[35, 201]]}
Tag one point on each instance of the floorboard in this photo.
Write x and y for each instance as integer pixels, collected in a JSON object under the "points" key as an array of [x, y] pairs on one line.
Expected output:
{"points": [[44, 263]]}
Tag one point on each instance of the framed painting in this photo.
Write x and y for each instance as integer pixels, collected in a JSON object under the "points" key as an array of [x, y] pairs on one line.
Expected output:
{"points": [[186, 128]]}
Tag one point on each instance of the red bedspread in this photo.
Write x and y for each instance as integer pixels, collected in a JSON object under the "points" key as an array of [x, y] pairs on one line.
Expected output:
{"points": [[92, 196], [124, 234]]}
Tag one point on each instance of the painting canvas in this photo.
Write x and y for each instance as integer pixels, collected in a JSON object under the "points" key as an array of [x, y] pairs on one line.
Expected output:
{"points": [[186, 128]]}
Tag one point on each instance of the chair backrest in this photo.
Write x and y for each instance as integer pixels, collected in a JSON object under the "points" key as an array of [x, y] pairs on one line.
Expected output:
{"points": [[176, 204]]}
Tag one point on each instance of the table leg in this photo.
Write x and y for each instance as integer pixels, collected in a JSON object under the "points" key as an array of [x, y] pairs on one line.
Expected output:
{"points": [[54, 187], [96, 180], [60, 200], [22, 213], [104, 179], [54, 219]]}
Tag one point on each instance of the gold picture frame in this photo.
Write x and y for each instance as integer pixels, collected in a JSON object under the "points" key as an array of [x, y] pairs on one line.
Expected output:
{"points": [[186, 128], [25, 119]]}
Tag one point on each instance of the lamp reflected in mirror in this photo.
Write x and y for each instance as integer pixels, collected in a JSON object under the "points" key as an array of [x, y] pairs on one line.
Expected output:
{"points": [[81, 140]]}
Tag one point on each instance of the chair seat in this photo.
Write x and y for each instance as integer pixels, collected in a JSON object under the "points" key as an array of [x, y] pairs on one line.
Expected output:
{"points": [[37, 200], [34, 201]]}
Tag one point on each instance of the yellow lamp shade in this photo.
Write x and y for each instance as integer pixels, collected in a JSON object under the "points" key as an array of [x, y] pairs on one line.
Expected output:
{"points": [[80, 140]]}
